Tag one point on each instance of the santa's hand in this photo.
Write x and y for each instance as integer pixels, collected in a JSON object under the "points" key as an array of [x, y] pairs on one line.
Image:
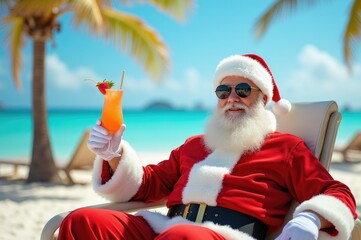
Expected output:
{"points": [[103, 144], [304, 226]]}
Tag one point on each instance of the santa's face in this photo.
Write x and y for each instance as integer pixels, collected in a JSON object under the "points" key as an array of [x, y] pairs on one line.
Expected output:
{"points": [[234, 98], [234, 103], [239, 124]]}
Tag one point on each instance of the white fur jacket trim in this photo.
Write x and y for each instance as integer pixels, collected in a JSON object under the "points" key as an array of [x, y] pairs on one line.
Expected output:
{"points": [[332, 209], [126, 180]]}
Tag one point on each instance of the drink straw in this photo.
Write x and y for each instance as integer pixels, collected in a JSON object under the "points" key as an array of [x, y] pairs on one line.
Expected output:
{"points": [[121, 83]]}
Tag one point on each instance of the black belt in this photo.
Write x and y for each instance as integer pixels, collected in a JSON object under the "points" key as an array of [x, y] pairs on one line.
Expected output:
{"points": [[223, 216]]}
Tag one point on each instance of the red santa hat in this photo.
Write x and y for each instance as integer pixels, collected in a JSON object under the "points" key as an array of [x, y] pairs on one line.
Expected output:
{"points": [[254, 68]]}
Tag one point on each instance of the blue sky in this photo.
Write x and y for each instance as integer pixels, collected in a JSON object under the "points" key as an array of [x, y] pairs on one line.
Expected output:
{"points": [[303, 50]]}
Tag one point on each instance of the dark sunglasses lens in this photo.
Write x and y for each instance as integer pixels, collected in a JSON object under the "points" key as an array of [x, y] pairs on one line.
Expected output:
{"points": [[243, 90], [223, 91]]}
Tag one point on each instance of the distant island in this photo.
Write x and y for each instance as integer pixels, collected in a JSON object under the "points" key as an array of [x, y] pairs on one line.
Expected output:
{"points": [[159, 105], [165, 105]]}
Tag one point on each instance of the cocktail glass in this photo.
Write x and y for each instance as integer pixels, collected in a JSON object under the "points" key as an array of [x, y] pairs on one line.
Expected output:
{"points": [[112, 114]]}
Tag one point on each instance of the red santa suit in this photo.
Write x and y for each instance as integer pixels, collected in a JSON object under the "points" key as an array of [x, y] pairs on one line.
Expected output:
{"points": [[260, 184]]}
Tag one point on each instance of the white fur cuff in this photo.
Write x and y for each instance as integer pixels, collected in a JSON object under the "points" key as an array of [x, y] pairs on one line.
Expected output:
{"points": [[332, 209], [126, 179]]}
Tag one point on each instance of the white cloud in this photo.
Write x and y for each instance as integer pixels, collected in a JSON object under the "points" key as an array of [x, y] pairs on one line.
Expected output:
{"points": [[63, 77], [187, 91], [139, 92], [193, 80], [321, 77], [144, 85], [318, 77]]}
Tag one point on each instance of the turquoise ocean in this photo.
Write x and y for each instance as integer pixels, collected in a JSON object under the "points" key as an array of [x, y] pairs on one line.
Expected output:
{"points": [[149, 130]]}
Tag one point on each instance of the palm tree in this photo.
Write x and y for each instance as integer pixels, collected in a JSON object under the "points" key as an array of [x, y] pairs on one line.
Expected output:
{"points": [[351, 34], [38, 20]]}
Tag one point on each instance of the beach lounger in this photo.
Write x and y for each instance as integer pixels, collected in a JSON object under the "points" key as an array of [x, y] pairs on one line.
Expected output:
{"points": [[352, 151], [82, 159], [16, 163], [317, 123]]}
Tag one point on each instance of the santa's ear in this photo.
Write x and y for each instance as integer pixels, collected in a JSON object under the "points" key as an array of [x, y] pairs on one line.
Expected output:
{"points": [[265, 99]]}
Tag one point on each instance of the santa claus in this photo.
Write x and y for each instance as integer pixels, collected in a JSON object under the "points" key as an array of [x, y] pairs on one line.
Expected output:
{"points": [[234, 182]]}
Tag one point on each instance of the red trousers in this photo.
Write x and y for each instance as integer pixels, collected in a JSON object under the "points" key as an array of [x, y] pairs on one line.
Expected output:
{"points": [[91, 223]]}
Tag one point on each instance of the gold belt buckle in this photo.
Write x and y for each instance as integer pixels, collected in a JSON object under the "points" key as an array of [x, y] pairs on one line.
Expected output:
{"points": [[186, 209], [200, 213]]}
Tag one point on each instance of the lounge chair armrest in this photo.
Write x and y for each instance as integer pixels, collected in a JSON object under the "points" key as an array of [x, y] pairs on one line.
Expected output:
{"points": [[54, 223], [356, 232]]}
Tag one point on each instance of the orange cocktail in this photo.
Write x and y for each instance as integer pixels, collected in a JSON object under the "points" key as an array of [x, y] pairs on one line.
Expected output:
{"points": [[112, 114]]}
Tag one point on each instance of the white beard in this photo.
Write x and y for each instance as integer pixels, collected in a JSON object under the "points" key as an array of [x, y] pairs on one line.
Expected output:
{"points": [[243, 133]]}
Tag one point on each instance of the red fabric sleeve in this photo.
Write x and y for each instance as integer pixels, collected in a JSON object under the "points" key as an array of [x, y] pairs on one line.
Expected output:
{"points": [[168, 178], [105, 175], [309, 178]]}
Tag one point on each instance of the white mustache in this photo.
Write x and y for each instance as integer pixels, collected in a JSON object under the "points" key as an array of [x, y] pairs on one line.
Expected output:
{"points": [[235, 105]]}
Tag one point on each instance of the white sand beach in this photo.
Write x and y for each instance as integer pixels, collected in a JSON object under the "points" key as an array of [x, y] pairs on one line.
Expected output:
{"points": [[25, 208]]}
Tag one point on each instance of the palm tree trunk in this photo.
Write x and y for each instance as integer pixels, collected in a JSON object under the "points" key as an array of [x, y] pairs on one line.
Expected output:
{"points": [[42, 167]]}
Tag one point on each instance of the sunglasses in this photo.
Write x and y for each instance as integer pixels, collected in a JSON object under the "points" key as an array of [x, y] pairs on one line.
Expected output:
{"points": [[243, 90]]}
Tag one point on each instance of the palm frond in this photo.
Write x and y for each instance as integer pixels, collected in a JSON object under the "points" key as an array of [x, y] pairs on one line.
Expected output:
{"points": [[88, 11], [15, 39], [276, 10], [38, 7], [176, 8], [352, 32], [133, 35]]}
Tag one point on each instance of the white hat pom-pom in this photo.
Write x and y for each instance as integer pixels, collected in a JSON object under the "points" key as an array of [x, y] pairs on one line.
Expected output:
{"points": [[283, 106]]}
